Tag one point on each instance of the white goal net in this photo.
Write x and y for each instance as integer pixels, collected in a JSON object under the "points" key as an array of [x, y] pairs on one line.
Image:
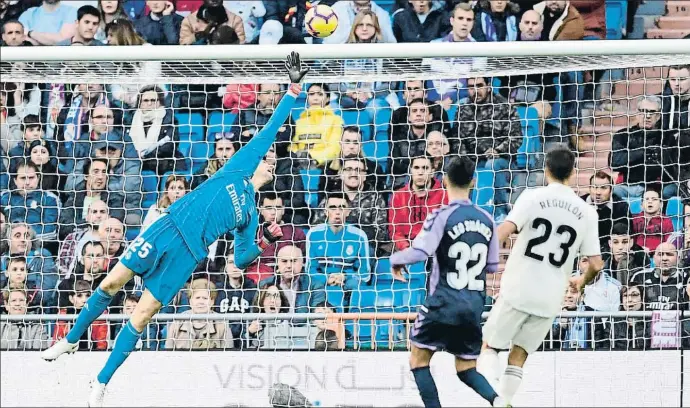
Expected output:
{"points": [[98, 141]]}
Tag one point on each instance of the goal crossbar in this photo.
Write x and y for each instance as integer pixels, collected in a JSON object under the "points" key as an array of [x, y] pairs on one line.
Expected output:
{"points": [[256, 63]]}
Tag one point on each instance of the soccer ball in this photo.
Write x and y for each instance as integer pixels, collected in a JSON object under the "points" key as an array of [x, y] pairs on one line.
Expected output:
{"points": [[320, 21]]}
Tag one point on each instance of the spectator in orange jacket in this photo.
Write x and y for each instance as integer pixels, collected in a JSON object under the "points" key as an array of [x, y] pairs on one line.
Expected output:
{"points": [[593, 14], [96, 338], [561, 21], [411, 204], [651, 227], [187, 35]]}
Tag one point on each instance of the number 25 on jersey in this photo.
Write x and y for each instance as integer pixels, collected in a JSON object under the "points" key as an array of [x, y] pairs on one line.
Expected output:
{"points": [[464, 277]]}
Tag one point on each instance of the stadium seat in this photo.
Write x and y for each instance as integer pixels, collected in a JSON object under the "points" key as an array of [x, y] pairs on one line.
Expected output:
{"points": [[483, 192], [198, 155], [219, 121], [149, 188], [616, 18], [635, 205], [310, 179], [531, 142], [674, 209], [132, 233], [416, 278], [191, 126], [335, 296]]}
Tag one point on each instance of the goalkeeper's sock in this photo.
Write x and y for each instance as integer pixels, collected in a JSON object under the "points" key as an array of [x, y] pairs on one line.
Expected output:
{"points": [[510, 382], [478, 383], [426, 386], [487, 365], [125, 343], [94, 307]]}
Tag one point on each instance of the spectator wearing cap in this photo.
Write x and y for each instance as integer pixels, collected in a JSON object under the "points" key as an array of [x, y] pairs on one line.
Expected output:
{"points": [[93, 187], [562, 21], [190, 26], [175, 187], [347, 10], [422, 22], [162, 25], [88, 22], [226, 145], [254, 118], [13, 34], [318, 129], [153, 132], [496, 21], [49, 23], [27, 202]]}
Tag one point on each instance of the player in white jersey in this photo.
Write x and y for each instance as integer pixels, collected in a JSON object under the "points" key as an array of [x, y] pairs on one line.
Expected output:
{"points": [[553, 226]]}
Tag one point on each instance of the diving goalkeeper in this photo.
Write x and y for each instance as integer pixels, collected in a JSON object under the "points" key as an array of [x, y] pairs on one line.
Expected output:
{"points": [[167, 253]]}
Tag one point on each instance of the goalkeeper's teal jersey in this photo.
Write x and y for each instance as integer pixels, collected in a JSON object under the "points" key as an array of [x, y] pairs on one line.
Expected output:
{"points": [[226, 201]]}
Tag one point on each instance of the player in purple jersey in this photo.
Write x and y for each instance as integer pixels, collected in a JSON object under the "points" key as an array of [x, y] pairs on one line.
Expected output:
{"points": [[461, 237]]}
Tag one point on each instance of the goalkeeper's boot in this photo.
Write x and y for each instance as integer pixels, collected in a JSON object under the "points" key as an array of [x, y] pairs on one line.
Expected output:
{"points": [[58, 349], [501, 402], [97, 394]]}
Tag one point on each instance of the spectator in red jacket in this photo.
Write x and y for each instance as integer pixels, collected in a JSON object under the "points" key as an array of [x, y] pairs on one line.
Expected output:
{"points": [[96, 338], [272, 209], [411, 204], [651, 227]]}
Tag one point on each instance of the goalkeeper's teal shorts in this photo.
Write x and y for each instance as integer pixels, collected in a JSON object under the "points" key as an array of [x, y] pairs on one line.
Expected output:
{"points": [[162, 259]]}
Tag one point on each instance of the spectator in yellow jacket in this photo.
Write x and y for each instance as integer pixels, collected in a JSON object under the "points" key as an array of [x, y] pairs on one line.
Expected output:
{"points": [[318, 129]]}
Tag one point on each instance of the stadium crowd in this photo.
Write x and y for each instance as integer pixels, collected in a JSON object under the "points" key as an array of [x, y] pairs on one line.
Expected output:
{"points": [[358, 168]]}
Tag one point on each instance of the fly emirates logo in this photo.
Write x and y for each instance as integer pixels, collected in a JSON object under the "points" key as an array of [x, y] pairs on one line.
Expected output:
{"points": [[238, 202]]}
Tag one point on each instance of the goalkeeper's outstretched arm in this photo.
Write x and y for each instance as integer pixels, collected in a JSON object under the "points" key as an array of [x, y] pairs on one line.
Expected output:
{"points": [[247, 159]]}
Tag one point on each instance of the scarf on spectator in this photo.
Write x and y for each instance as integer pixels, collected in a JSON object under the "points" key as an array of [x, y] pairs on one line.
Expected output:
{"points": [[489, 28], [144, 141], [75, 116]]}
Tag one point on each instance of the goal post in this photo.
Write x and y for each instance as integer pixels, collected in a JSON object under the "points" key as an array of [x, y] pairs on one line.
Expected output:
{"points": [[469, 99]]}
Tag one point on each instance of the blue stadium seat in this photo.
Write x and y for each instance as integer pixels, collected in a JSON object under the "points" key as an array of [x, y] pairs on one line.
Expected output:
{"points": [[191, 126], [674, 209], [531, 140], [149, 187], [635, 205], [219, 121], [416, 278], [132, 233], [310, 179], [616, 18], [198, 155], [335, 296], [483, 192]]}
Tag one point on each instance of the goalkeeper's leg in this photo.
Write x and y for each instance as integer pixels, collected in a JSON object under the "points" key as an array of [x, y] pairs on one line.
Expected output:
{"points": [[92, 310], [125, 343]]}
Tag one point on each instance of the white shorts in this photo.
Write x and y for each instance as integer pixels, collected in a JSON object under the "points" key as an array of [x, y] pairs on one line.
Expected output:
{"points": [[508, 327]]}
